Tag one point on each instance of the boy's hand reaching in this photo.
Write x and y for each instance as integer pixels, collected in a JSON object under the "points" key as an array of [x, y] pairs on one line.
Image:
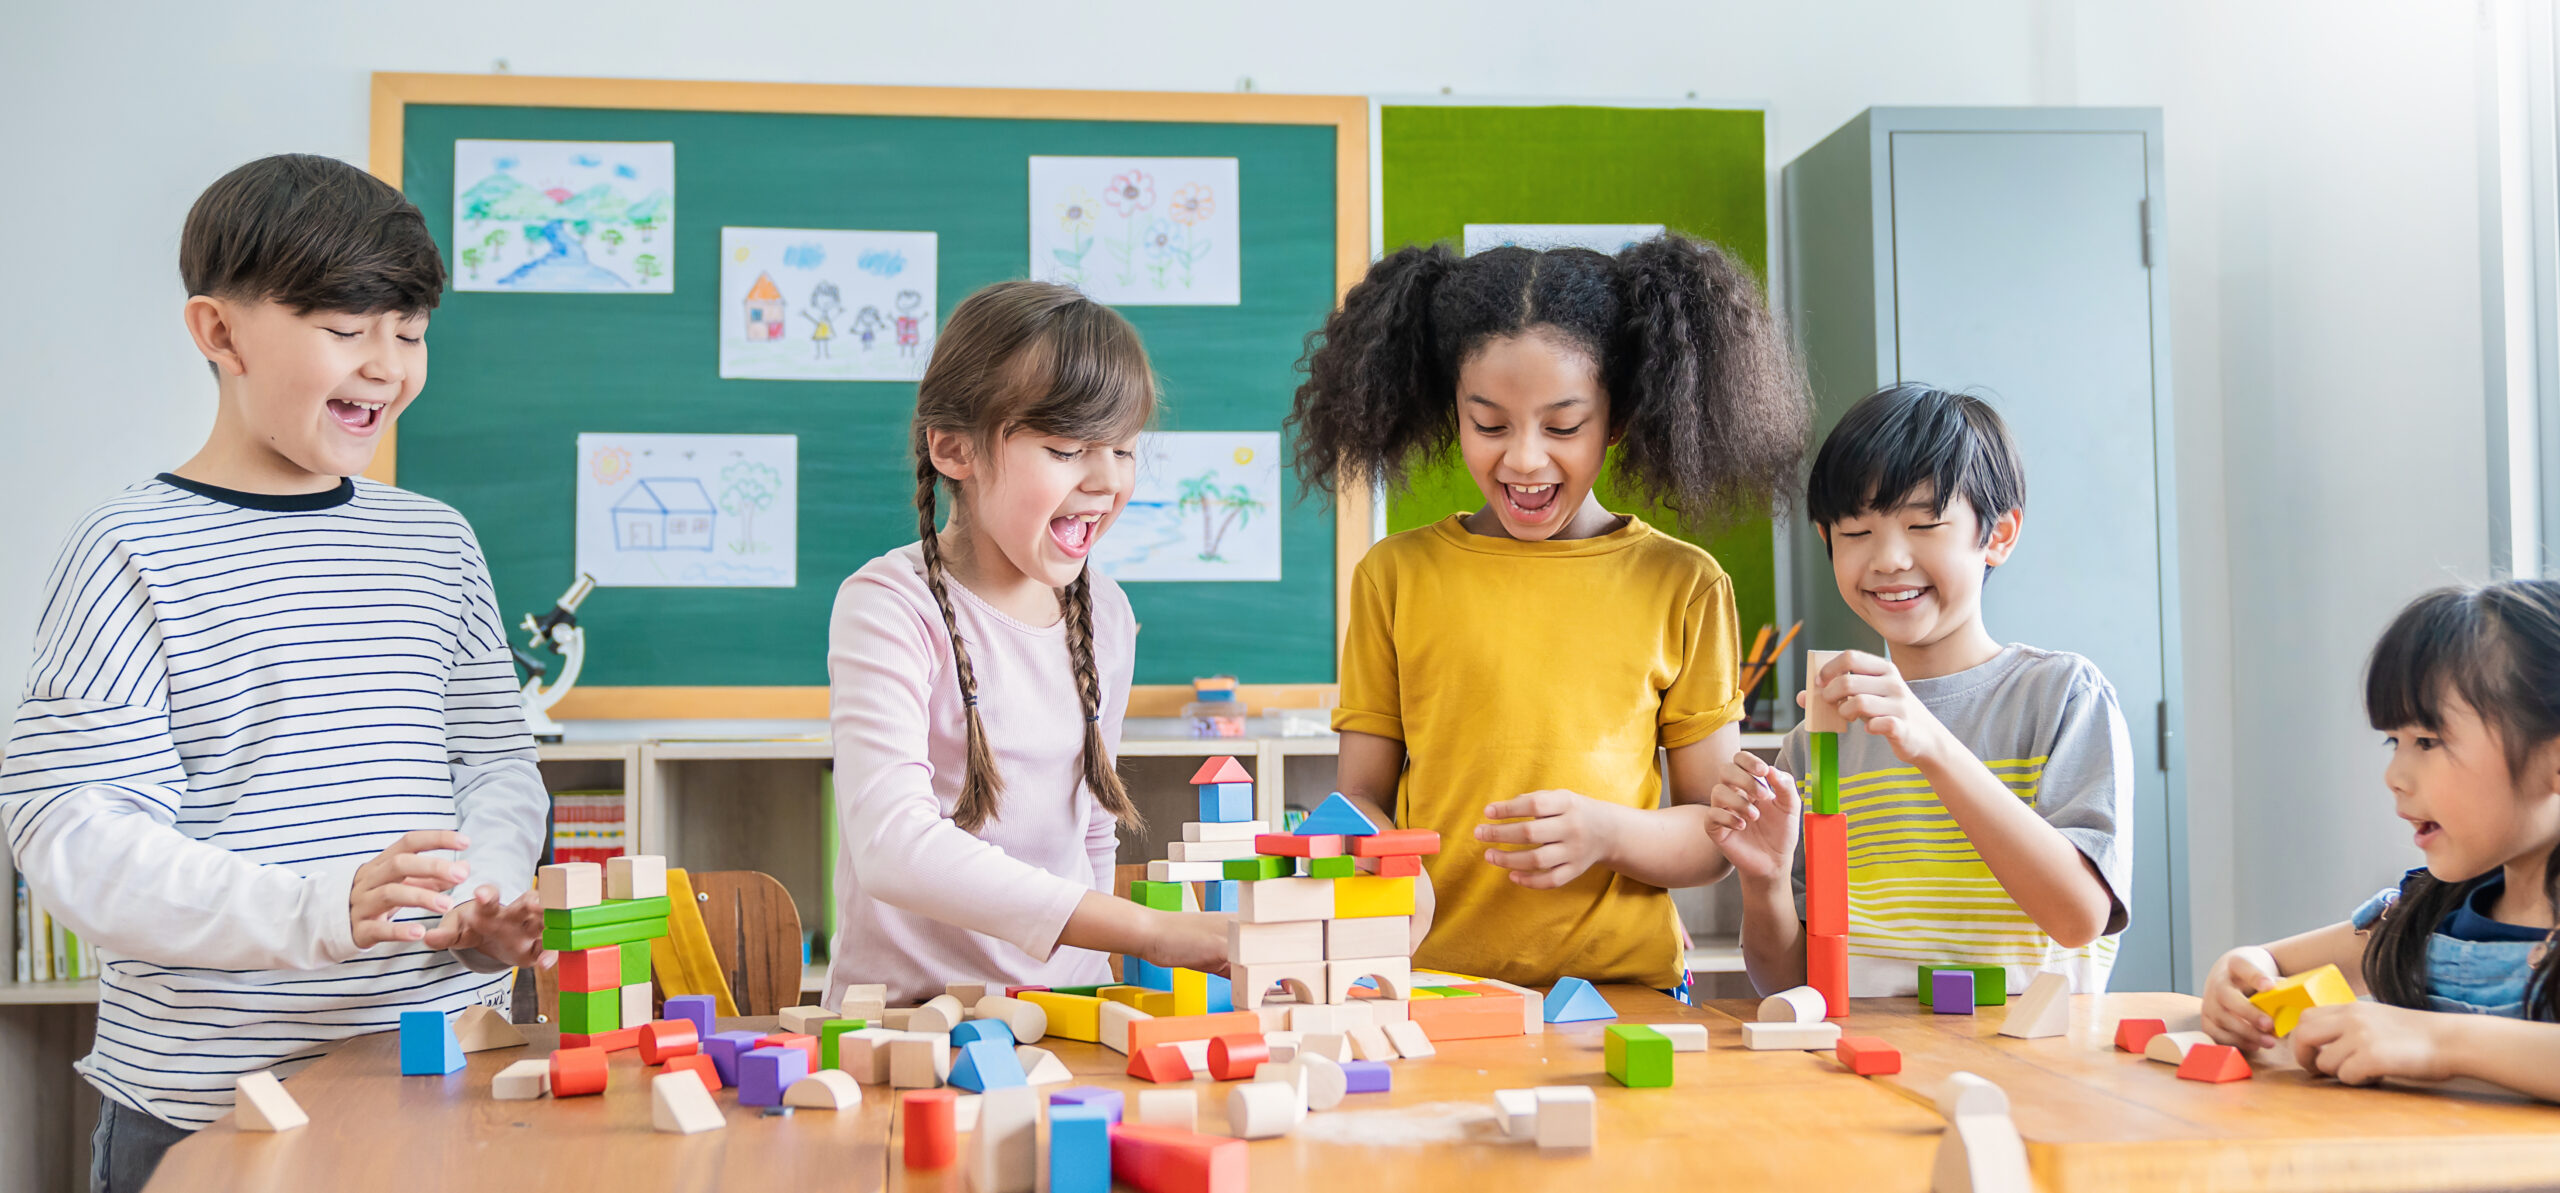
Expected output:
{"points": [[403, 875], [1566, 834], [510, 934], [1752, 818], [1871, 690]]}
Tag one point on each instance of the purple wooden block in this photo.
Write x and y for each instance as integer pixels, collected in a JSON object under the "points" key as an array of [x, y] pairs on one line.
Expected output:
{"points": [[764, 1073], [1365, 1077], [697, 1007], [1106, 1100], [725, 1048], [1951, 992]]}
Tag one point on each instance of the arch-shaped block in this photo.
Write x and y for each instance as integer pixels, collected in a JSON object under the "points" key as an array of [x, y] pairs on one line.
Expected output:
{"points": [[1394, 976], [1304, 980]]}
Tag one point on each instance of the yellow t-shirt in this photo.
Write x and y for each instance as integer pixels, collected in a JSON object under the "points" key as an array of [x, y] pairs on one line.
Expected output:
{"points": [[1507, 667]]}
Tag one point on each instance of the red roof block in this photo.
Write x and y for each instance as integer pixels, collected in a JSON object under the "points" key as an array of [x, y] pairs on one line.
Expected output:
{"points": [[2134, 1035], [2214, 1062], [1161, 1063], [1221, 770], [1293, 845]]}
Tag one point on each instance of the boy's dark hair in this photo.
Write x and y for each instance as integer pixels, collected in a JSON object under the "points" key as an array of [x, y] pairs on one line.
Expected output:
{"points": [[1704, 396], [2496, 648], [1902, 437], [313, 234]]}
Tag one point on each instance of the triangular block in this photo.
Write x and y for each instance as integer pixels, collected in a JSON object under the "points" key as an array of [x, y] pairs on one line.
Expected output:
{"points": [[2134, 1035], [1159, 1063], [1221, 770], [678, 1105], [1336, 816], [1574, 1001], [482, 1028], [2214, 1062], [2043, 1011], [982, 1065]]}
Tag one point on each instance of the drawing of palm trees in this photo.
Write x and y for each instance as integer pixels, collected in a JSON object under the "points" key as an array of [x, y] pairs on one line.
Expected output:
{"points": [[745, 488], [1221, 510]]}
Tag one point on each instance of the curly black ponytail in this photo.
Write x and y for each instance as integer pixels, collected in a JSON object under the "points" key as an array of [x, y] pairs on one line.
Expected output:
{"points": [[1705, 402]]}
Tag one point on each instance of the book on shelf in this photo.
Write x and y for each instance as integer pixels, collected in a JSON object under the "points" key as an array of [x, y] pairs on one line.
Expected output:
{"points": [[588, 826], [48, 950]]}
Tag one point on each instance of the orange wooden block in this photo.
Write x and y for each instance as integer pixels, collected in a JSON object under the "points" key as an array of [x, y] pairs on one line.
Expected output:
{"points": [[588, 970], [1160, 1063], [2134, 1035], [666, 1039], [1868, 1056], [1173, 1029], [1493, 1012], [931, 1127], [1826, 875], [1234, 1058], [1396, 842], [611, 1041], [698, 1065], [784, 1039], [1171, 1160], [2214, 1062], [1293, 845], [1826, 968], [576, 1071], [1403, 865]]}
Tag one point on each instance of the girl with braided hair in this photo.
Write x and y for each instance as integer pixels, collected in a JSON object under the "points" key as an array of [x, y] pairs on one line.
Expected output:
{"points": [[977, 677]]}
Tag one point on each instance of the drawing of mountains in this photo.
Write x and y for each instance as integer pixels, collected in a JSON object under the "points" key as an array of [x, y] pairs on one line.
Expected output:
{"points": [[501, 197]]}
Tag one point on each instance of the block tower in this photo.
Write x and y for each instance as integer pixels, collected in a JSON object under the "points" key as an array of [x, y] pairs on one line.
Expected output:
{"points": [[1225, 830], [1321, 909], [1826, 849], [601, 919]]}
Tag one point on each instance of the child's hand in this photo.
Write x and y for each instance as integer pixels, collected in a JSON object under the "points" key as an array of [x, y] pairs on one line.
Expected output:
{"points": [[2361, 1042], [1567, 834], [1188, 940], [2229, 1017], [403, 876], [510, 934], [1752, 818], [1870, 689]]}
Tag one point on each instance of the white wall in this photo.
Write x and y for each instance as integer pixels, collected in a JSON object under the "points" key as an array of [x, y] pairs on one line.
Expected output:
{"points": [[2321, 216]]}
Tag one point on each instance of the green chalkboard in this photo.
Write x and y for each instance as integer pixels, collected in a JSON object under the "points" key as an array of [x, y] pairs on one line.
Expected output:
{"points": [[518, 376], [1699, 171]]}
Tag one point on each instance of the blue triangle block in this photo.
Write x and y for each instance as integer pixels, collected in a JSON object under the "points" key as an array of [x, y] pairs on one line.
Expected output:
{"points": [[427, 1045], [982, 1029], [987, 1064], [1572, 1000], [1222, 995], [1335, 817]]}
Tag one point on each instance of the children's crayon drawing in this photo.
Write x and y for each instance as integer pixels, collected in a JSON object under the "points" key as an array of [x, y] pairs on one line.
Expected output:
{"points": [[581, 217], [689, 511], [810, 304], [1599, 238], [1206, 507], [1138, 231]]}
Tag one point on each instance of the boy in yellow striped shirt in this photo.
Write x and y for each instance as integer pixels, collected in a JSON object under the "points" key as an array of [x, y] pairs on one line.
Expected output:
{"points": [[1988, 788]]}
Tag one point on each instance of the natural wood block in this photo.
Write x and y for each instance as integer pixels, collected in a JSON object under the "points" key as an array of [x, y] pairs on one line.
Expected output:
{"points": [[1394, 976], [918, 1061], [1004, 1151], [260, 1104], [826, 1089], [1684, 1037], [1025, 1020], [2043, 1011], [635, 876], [481, 1028], [570, 884], [1411, 1042], [1239, 830], [1786, 1037], [1282, 900], [1261, 1110], [1306, 981], [2171, 1047], [1370, 1043], [1259, 944], [940, 1014], [678, 1105], [1568, 1116], [521, 1081], [1114, 1022], [1368, 936], [1820, 716], [1802, 1004]]}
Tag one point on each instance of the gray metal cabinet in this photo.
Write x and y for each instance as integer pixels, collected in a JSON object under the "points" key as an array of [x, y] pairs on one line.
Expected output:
{"points": [[2012, 251]]}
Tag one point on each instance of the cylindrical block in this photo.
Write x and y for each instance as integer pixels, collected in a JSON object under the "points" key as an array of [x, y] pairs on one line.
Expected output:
{"points": [[576, 1071], [1234, 1058], [1261, 1110], [932, 1141], [1800, 1005], [666, 1039]]}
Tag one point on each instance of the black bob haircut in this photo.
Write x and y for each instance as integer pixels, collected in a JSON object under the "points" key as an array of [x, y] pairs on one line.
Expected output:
{"points": [[313, 234], [1903, 437]]}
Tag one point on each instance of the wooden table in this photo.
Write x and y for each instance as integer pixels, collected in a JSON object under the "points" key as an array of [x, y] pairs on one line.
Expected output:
{"points": [[2096, 1118]]}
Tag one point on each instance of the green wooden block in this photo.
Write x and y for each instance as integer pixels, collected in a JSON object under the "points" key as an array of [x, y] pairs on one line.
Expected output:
{"points": [[1255, 869], [568, 939], [1081, 991], [611, 911], [1454, 992], [589, 1012], [635, 962], [1990, 983], [827, 1033], [1345, 866], [1826, 774], [1638, 1056], [1162, 896]]}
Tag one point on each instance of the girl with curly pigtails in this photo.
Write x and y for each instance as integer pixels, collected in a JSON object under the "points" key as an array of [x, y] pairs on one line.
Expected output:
{"points": [[977, 677], [1508, 674]]}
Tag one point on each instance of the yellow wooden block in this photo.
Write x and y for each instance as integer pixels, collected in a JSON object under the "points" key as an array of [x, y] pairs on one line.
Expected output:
{"points": [[1121, 994], [1190, 992], [1160, 1003], [1417, 994], [1371, 895], [2290, 997], [1071, 1016]]}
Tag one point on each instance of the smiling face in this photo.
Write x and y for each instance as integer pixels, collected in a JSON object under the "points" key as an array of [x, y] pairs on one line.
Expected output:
{"points": [[1040, 501], [1533, 428], [1914, 574], [306, 397], [2468, 812]]}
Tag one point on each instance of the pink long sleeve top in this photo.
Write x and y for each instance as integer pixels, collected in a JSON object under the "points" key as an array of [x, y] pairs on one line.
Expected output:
{"points": [[920, 902]]}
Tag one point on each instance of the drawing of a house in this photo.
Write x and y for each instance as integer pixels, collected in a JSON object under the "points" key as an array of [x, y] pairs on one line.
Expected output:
{"points": [[666, 514], [764, 310]]}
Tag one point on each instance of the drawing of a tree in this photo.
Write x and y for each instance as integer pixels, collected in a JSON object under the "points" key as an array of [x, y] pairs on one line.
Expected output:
{"points": [[612, 238], [495, 242], [745, 488], [646, 265], [1221, 510], [471, 262]]}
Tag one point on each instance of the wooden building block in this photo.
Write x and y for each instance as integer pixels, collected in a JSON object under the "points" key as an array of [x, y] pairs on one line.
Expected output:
{"points": [[635, 876], [663, 1040], [1158, 1063], [1568, 1116], [2043, 1011], [1393, 975], [1826, 968], [1326, 1083], [826, 1089], [725, 1047], [806, 1045], [2214, 1062], [570, 884], [1820, 716], [1282, 943], [1293, 845], [1369, 1042], [2171, 1047], [1162, 1030], [1041, 1066], [1334, 1046], [919, 1061], [1025, 1020], [587, 1012], [1070, 1016], [678, 1105], [1398, 866], [1967, 1093], [620, 1039], [1574, 1000], [1164, 1160], [1790, 1037], [1981, 1153], [259, 1103], [1114, 1025], [697, 1009], [940, 1013], [1224, 802], [864, 1052], [637, 1005], [1533, 1005], [577, 1071], [983, 1066], [1951, 992], [1684, 1037], [1330, 867], [1283, 1045], [2134, 1035], [1262, 1110], [1868, 1056], [1109, 1101], [1367, 896], [1165, 871], [1195, 1053], [698, 1065], [982, 1029], [1802, 1004], [1208, 851], [1079, 1149], [1638, 1056], [1517, 1111], [427, 1045], [2291, 996], [1411, 1042], [1235, 1057], [1283, 900], [651, 911], [481, 1028], [1396, 842], [1446, 1019], [1176, 1108], [1826, 874], [1822, 767], [1368, 936], [1258, 868], [1367, 1076], [928, 1119], [522, 1081], [1990, 983], [1234, 830], [763, 1073], [804, 1020]]}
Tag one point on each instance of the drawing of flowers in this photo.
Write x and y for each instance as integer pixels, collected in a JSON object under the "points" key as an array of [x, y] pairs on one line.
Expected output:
{"points": [[1130, 192], [1075, 216], [1192, 204], [1162, 249]]}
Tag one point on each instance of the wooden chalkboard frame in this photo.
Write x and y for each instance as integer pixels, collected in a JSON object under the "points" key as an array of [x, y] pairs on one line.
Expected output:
{"points": [[1348, 116]]}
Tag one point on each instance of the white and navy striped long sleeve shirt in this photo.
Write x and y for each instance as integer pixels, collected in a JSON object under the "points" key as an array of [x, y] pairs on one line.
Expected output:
{"points": [[236, 700]]}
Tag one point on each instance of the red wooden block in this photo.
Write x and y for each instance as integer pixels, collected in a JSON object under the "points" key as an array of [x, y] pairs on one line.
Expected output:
{"points": [[667, 1039], [588, 970], [1826, 968], [576, 1071], [610, 1041], [1492, 1013], [2214, 1062], [1167, 1160], [808, 1044], [1160, 1063], [1234, 1058], [1826, 874], [1221, 770], [698, 1065], [1292, 845], [1403, 865], [1396, 842], [1016, 991], [2134, 1035], [932, 1139], [1868, 1056]]}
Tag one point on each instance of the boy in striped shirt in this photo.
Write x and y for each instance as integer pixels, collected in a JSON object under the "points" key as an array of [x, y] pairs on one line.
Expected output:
{"points": [[271, 730], [1987, 788]]}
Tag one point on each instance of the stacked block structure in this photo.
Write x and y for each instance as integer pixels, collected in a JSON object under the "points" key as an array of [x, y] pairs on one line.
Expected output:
{"points": [[601, 918]]}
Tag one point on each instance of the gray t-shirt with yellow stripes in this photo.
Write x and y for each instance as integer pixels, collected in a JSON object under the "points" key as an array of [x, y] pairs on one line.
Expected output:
{"points": [[2046, 723]]}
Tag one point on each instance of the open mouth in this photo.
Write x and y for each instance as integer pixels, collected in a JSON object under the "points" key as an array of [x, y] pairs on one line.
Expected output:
{"points": [[1897, 598], [2428, 833], [356, 416], [1530, 503], [1074, 533]]}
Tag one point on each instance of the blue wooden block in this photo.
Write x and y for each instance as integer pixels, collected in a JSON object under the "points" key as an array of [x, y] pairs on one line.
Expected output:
{"points": [[1365, 1077], [1572, 1000], [1220, 896], [427, 1045], [1134, 972], [983, 1065], [982, 1029], [1108, 1101], [1951, 992], [1079, 1149], [1336, 817], [1226, 803], [1222, 995]]}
